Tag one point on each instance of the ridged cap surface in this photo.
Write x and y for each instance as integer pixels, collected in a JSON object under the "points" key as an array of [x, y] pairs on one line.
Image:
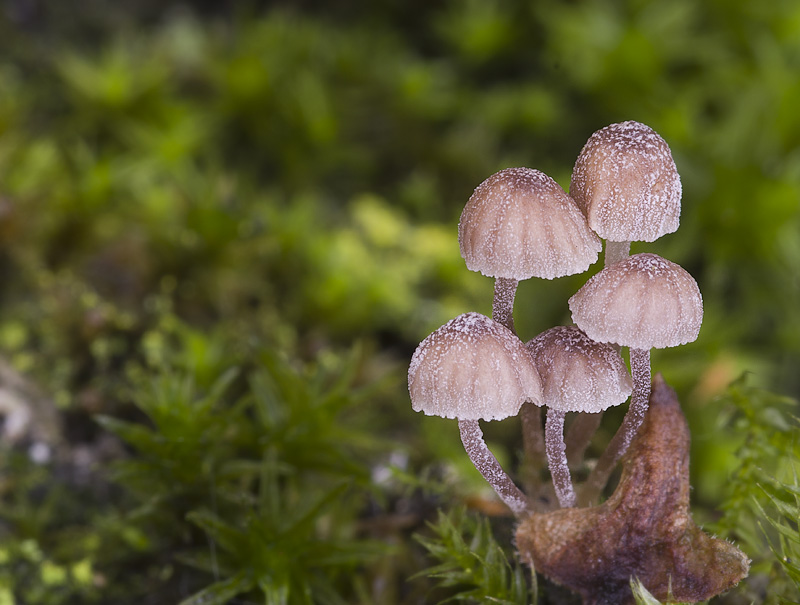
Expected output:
{"points": [[579, 374], [519, 223], [472, 368], [626, 184], [642, 302]]}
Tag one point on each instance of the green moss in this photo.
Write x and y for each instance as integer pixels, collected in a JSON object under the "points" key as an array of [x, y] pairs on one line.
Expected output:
{"points": [[182, 194]]}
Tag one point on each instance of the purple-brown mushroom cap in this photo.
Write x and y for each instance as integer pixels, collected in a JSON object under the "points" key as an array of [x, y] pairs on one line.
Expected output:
{"points": [[519, 223], [626, 184], [472, 368], [579, 374], [642, 302]]}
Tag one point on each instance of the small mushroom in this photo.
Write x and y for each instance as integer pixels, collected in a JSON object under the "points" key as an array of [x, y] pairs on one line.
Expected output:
{"points": [[642, 302], [578, 375], [626, 184], [474, 368], [519, 223]]}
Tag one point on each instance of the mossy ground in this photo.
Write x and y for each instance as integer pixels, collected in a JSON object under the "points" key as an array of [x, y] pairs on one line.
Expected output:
{"points": [[224, 231]]}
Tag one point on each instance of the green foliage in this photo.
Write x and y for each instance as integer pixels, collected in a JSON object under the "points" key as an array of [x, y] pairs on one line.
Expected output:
{"points": [[48, 557], [643, 597], [784, 499], [272, 477], [770, 441], [472, 562], [770, 444]]}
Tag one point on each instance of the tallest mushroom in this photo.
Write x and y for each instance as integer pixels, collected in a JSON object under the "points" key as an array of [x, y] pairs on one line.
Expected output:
{"points": [[626, 184]]}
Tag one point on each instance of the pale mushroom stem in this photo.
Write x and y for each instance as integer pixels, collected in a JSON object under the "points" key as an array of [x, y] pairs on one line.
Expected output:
{"points": [[586, 425], [615, 252], [579, 435], [505, 289], [533, 437], [533, 448], [557, 457], [489, 467], [640, 372]]}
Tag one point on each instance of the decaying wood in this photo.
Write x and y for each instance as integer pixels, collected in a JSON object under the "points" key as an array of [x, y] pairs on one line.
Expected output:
{"points": [[643, 530]]}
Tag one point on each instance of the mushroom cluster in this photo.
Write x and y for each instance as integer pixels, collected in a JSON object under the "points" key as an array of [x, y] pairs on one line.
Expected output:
{"points": [[518, 224]]}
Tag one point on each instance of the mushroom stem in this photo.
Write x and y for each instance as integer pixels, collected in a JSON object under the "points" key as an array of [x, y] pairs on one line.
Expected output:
{"points": [[489, 467], [580, 435], [640, 371], [534, 455], [557, 457], [616, 251], [505, 289]]}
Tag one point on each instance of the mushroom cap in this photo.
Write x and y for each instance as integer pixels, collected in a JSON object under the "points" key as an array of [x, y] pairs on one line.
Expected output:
{"points": [[626, 184], [472, 368], [519, 223], [579, 374], [642, 302]]}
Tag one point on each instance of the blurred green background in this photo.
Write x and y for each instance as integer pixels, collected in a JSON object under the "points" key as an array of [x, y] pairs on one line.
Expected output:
{"points": [[202, 185]]}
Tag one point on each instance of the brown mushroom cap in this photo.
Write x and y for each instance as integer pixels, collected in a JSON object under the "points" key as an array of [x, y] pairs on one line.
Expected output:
{"points": [[472, 368], [519, 223], [642, 302], [626, 184], [579, 374]]}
